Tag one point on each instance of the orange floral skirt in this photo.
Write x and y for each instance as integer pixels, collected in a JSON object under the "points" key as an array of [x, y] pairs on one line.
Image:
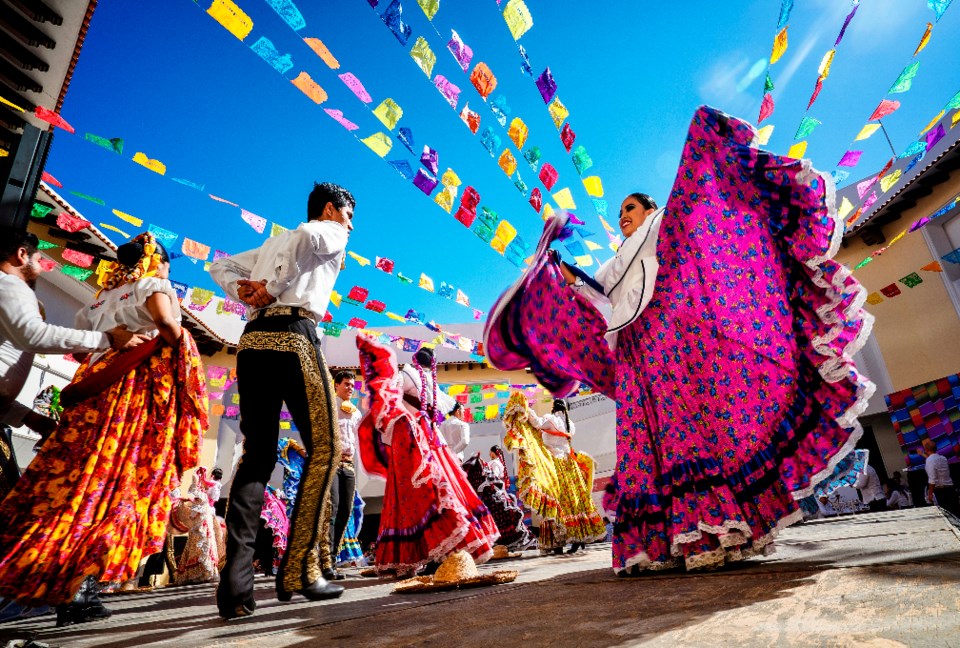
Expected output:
{"points": [[96, 499]]}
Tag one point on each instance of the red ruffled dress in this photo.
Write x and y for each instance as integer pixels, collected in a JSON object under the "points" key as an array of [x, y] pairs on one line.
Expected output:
{"points": [[429, 508]]}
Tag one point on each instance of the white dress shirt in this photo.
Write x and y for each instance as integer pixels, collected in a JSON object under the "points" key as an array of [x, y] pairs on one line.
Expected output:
{"points": [[300, 266], [348, 420], [938, 471], [498, 469], [557, 444], [897, 500], [869, 485], [456, 434], [23, 333]]}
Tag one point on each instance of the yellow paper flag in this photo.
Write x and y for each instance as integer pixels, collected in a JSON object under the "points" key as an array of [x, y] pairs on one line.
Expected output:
{"points": [[593, 186], [231, 17], [867, 131], [321, 50], [310, 88], [396, 317], [276, 229], [564, 199], [450, 179], [897, 238], [547, 211], [498, 245], [446, 198], [133, 220], [363, 261], [797, 150], [518, 18], [114, 229], [389, 113], [887, 181], [558, 112], [956, 118], [933, 122], [779, 46], [284, 425], [874, 298], [430, 7], [505, 232], [518, 132], [924, 39], [12, 105], [423, 55], [825, 64], [584, 261], [845, 208], [426, 282], [592, 246], [456, 390], [379, 143], [763, 135], [336, 298], [154, 165], [491, 411]]}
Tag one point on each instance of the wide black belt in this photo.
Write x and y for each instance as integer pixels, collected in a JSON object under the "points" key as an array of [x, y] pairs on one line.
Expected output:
{"points": [[281, 311]]}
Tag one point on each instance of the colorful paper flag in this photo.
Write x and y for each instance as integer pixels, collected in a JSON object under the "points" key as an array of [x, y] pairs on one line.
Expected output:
{"points": [[52, 118], [423, 55], [231, 17], [780, 44], [546, 85], [763, 134], [797, 150], [807, 126], [425, 282], [886, 107], [265, 49], [905, 80], [258, 223], [323, 52], [558, 112], [449, 90], [389, 113], [594, 186], [850, 159], [564, 199], [429, 7], [483, 79], [379, 143], [766, 107], [874, 298], [518, 18], [195, 249], [912, 280], [356, 87], [890, 291], [867, 131], [460, 50], [309, 87], [70, 223], [337, 116], [393, 18]]}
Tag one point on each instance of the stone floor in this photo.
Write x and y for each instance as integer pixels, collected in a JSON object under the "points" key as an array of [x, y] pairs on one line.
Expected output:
{"points": [[884, 579]]}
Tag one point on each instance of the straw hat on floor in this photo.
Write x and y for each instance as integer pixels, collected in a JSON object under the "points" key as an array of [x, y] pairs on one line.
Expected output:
{"points": [[457, 571]]}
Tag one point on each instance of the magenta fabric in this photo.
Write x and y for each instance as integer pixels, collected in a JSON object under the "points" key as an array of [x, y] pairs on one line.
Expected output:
{"points": [[735, 388]]}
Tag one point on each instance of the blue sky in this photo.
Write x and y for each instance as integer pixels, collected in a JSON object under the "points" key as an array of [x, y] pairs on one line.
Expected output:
{"points": [[170, 81]]}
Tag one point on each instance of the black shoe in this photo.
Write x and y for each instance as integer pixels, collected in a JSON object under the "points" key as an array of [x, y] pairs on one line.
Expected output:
{"points": [[575, 547], [77, 613], [430, 568], [332, 574], [241, 610], [558, 551], [318, 590]]}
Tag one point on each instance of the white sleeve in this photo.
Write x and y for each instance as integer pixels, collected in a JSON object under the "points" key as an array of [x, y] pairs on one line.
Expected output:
{"points": [[862, 479], [226, 271], [551, 422], [323, 239], [22, 324], [534, 420], [464, 439]]}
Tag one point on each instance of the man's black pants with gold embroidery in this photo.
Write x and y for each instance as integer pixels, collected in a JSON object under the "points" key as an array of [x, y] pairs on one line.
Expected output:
{"points": [[279, 360]]}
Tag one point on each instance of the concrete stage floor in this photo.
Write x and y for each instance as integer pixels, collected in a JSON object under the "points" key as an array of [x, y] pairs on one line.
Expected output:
{"points": [[875, 580]]}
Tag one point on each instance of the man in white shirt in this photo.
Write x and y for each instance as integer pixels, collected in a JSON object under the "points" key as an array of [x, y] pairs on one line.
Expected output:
{"points": [[871, 490], [286, 284], [940, 488], [456, 431], [345, 481], [23, 333]]}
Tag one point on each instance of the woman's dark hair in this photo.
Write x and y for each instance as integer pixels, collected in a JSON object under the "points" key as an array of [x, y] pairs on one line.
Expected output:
{"points": [[453, 410], [327, 192], [424, 356], [560, 405], [497, 450], [130, 253], [644, 199]]}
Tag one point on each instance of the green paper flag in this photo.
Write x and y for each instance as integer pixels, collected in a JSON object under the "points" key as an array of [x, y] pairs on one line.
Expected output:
{"points": [[115, 144], [767, 84], [45, 245], [90, 198], [863, 263], [406, 280], [806, 127], [77, 273], [911, 280], [40, 211], [905, 80]]}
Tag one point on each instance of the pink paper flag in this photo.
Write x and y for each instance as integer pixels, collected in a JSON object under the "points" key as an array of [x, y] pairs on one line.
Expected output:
{"points": [[868, 203], [886, 107], [47, 265], [850, 159], [223, 200], [766, 108], [78, 258], [53, 118], [70, 223], [256, 222], [356, 87], [50, 180], [337, 115], [864, 187]]}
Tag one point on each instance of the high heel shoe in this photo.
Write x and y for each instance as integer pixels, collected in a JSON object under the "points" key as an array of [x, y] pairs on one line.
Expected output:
{"points": [[318, 590]]}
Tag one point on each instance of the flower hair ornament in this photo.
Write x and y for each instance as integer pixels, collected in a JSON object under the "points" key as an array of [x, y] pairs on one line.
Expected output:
{"points": [[117, 274]]}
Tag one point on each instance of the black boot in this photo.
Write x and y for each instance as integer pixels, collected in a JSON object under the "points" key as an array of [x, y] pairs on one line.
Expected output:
{"points": [[575, 547], [85, 607]]}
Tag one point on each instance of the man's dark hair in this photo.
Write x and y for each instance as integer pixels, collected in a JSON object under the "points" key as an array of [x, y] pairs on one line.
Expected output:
{"points": [[327, 192], [12, 240], [341, 375]]}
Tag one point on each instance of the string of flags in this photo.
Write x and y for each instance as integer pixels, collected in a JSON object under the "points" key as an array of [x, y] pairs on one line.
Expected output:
{"points": [[917, 224], [780, 44], [808, 124], [911, 280], [501, 236], [886, 107]]}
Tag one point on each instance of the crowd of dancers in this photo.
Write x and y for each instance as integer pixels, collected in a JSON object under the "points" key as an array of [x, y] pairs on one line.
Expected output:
{"points": [[728, 353]]}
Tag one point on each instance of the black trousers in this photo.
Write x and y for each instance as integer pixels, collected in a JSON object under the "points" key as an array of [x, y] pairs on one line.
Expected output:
{"points": [[279, 360], [341, 503], [946, 498]]}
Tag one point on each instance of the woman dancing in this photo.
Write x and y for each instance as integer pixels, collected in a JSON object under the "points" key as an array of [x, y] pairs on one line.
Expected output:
{"points": [[728, 350], [96, 499], [429, 509]]}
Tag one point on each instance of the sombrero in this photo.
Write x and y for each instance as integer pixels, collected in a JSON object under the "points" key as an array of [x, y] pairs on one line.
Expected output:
{"points": [[458, 571], [501, 551]]}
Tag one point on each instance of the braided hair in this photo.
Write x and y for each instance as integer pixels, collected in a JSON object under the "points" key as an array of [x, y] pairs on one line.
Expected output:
{"points": [[497, 450]]}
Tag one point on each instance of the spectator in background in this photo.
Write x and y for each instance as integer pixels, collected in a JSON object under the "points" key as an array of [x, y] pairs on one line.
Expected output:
{"points": [[940, 488], [896, 496], [871, 490]]}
